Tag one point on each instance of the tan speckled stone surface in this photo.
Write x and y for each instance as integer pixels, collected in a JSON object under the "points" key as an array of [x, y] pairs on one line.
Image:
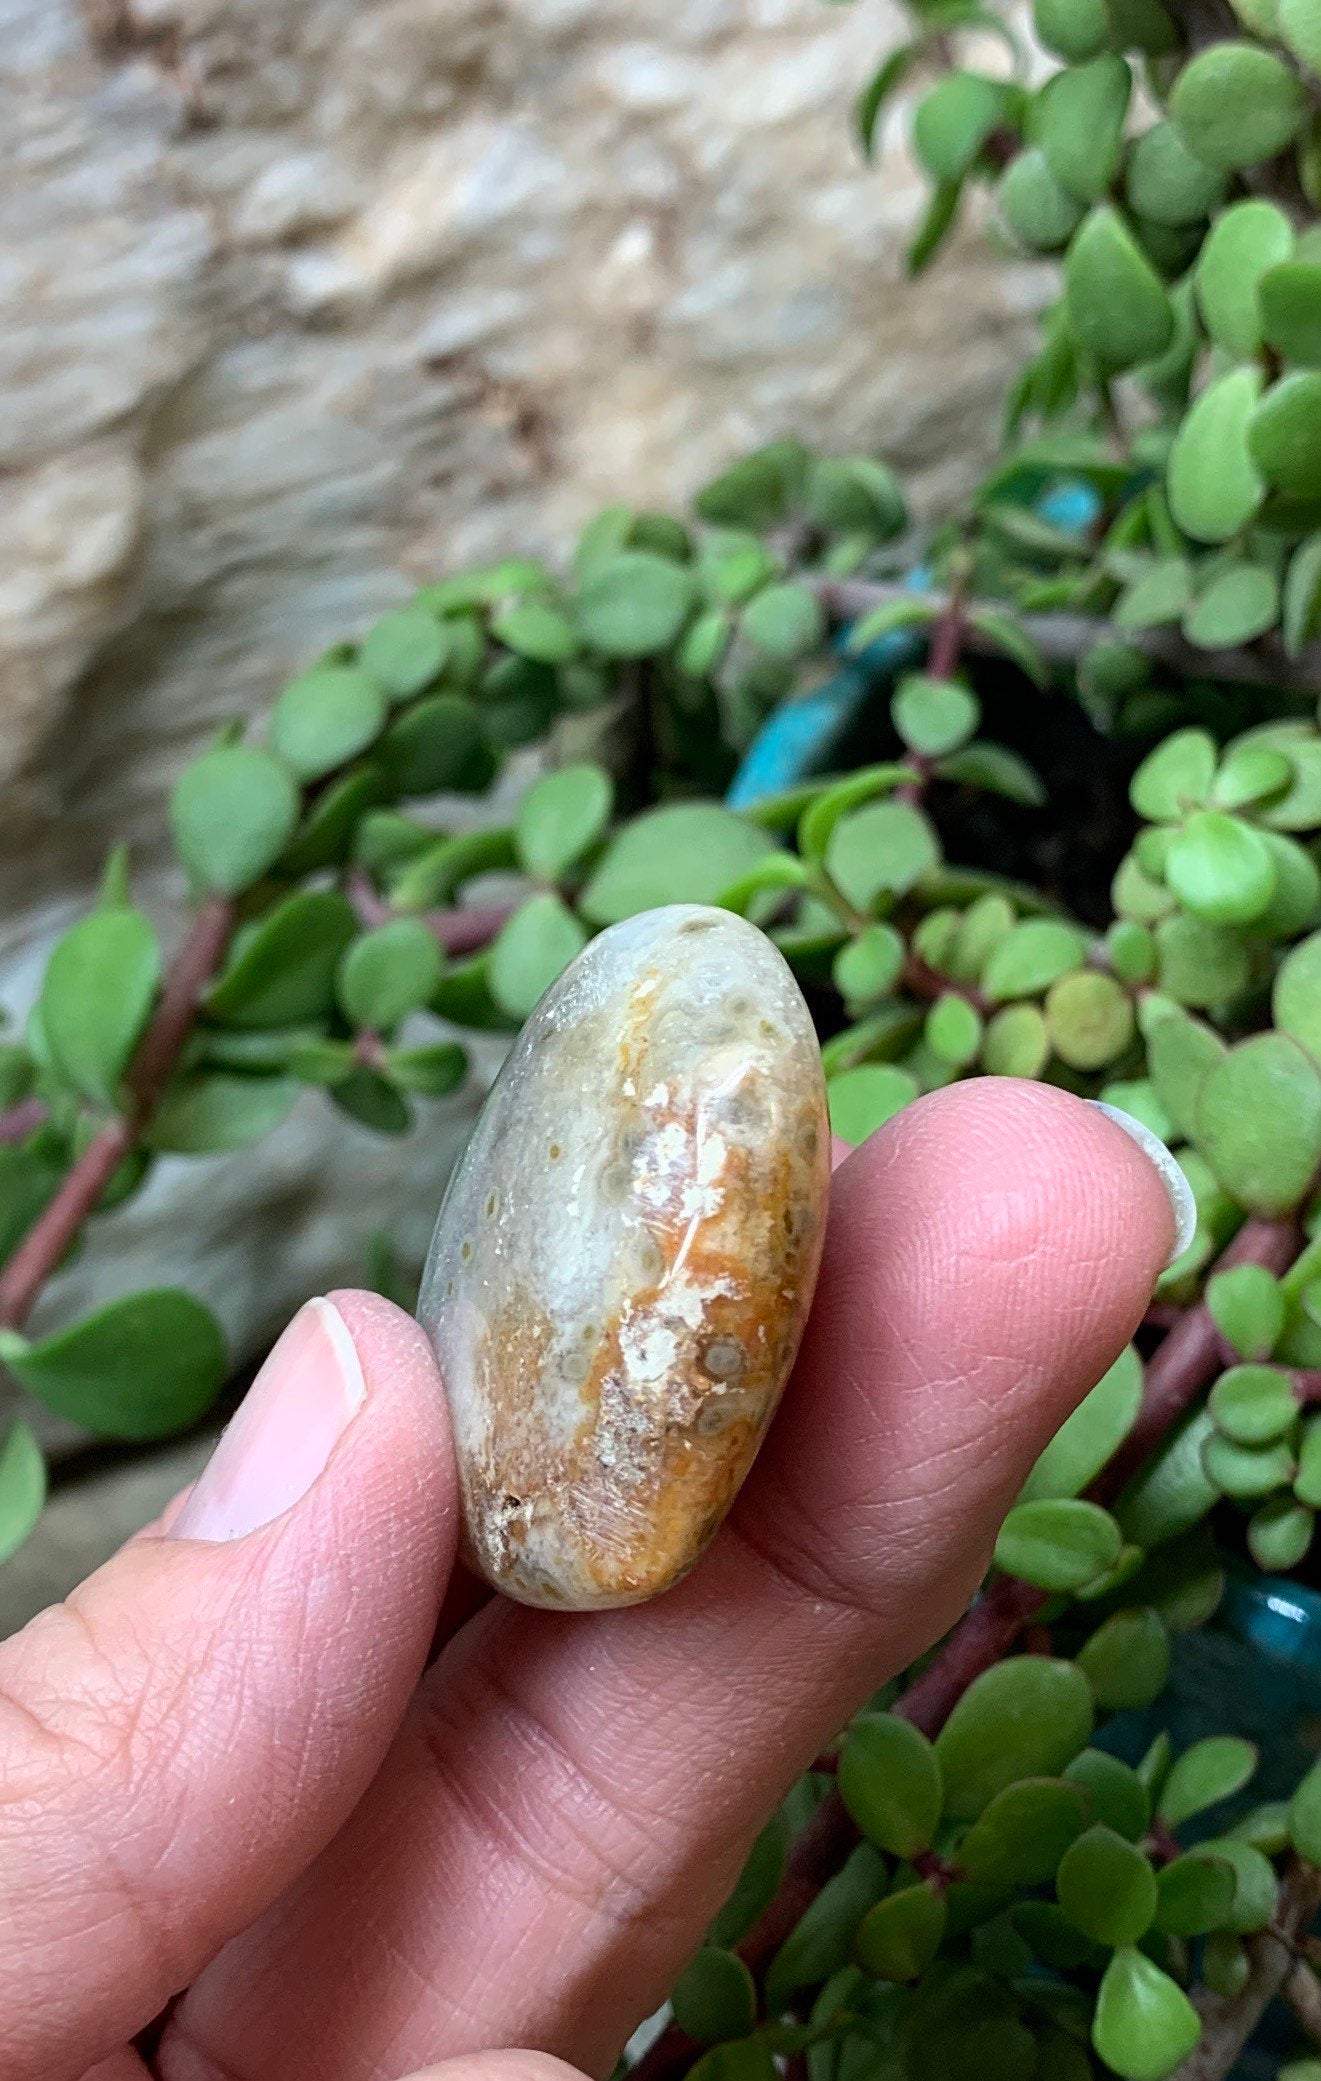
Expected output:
{"points": [[625, 1258]]}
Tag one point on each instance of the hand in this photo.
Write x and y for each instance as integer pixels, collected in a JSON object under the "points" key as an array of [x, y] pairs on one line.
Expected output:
{"points": [[223, 1768]]}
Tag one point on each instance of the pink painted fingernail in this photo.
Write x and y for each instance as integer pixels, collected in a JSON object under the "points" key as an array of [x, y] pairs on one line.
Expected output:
{"points": [[288, 1424]]}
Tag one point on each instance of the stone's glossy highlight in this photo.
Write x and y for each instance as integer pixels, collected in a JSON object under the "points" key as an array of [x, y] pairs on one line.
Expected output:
{"points": [[625, 1258]]}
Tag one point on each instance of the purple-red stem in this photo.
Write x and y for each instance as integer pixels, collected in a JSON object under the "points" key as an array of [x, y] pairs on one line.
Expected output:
{"points": [[153, 1065], [17, 1122], [464, 929]]}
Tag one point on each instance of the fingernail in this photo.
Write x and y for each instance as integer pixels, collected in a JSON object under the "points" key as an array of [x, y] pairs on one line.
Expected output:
{"points": [[288, 1424], [1182, 1204]]}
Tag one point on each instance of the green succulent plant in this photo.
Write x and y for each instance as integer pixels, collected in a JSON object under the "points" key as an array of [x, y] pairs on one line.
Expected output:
{"points": [[1007, 1898]]}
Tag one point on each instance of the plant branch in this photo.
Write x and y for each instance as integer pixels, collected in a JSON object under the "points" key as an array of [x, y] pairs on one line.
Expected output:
{"points": [[1065, 639], [17, 1122], [1228, 2021], [50, 1236], [463, 929], [1302, 1991], [1190, 1354]]}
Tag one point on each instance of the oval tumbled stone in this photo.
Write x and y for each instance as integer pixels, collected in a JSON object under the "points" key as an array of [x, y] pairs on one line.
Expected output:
{"points": [[625, 1258]]}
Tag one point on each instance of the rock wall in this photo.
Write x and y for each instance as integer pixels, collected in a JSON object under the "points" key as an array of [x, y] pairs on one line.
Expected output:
{"points": [[306, 299]]}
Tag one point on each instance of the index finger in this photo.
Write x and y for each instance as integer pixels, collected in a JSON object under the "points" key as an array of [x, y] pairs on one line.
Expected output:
{"points": [[571, 1797]]}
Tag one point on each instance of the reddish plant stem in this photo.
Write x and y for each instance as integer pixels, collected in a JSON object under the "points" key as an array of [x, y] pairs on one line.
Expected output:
{"points": [[157, 1056], [927, 983], [17, 1122], [983, 1637], [464, 929], [1190, 1354]]}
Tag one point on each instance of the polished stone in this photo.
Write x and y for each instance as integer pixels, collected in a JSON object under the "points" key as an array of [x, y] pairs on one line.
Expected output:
{"points": [[625, 1258]]}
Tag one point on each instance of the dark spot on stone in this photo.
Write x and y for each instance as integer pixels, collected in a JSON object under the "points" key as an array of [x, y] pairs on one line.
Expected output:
{"points": [[695, 925], [723, 1358], [490, 1206], [466, 1252], [616, 1181], [554, 1152]]}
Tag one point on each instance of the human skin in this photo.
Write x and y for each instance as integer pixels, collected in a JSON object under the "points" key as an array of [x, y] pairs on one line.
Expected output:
{"points": [[263, 1756]]}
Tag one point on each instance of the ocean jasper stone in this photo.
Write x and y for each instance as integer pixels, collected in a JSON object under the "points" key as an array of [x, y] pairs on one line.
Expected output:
{"points": [[625, 1258]]}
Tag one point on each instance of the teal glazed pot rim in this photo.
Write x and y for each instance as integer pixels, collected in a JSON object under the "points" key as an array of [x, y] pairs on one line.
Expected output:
{"points": [[1282, 1619]]}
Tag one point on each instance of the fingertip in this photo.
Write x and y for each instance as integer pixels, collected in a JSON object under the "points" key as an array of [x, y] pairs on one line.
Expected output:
{"points": [[1048, 1171]]}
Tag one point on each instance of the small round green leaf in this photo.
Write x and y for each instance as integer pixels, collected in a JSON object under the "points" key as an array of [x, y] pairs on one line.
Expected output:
{"points": [[1305, 1816], [1284, 435], [1253, 1404], [865, 1097], [533, 949], [388, 973], [1279, 1534], [890, 1781], [1166, 184], [1027, 1717], [1259, 1122], [282, 972], [953, 121], [326, 717], [98, 990], [1243, 243], [715, 1997], [1235, 104], [899, 1937], [1024, 1832], [1175, 777], [1290, 297], [1016, 1043], [1220, 868], [1214, 488], [1058, 1545], [437, 743], [433, 1071], [232, 813], [1127, 1660], [1107, 1888], [1246, 1471], [1031, 957], [1204, 1775], [404, 651], [1238, 605], [1296, 1001], [1195, 1894], [684, 852], [1079, 124], [1089, 1019], [1117, 303], [635, 605], [1247, 1306], [934, 716], [953, 1030], [870, 965], [784, 620], [206, 1111], [561, 816], [882, 849], [1039, 212], [140, 1367], [1256, 1888], [1144, 2023], [1087, 1438], [1118, 1797], [534, 629]]}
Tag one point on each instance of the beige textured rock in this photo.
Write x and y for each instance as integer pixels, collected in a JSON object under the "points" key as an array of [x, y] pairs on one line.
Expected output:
{"points": [[302, 300], [626, 1255]]}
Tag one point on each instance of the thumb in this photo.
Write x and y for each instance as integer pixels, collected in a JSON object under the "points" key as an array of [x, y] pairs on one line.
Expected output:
{"points": [[183, 1736]]}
